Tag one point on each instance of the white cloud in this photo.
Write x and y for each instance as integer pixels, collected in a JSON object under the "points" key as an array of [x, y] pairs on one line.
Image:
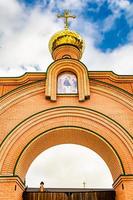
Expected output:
{"points": [[130, 36], [117, 6], [109, 22], [129, 15], [26, 45], [120, 60], [11, 14], [68, 166], [74, 4], [121, 4], [24, 36]]}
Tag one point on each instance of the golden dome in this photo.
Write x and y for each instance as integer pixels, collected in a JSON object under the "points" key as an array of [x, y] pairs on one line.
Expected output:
{"points": [[66, 37]]}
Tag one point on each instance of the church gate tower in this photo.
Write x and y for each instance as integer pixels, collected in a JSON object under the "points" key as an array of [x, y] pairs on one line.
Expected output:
{"points": [[67, 104]]}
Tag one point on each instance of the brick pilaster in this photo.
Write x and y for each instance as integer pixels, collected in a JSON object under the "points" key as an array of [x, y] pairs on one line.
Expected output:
{"points": [[11, 188], [124, 187]]}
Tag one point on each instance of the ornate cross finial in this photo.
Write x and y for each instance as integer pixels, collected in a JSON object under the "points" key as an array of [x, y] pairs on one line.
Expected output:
{"points": [[66, 15], [84, 183]]}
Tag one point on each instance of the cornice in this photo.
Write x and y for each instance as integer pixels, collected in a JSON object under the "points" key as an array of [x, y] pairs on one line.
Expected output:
{"points": [[110, 76], [25, 78], [13, 178], [21, 92], [37, 76]]}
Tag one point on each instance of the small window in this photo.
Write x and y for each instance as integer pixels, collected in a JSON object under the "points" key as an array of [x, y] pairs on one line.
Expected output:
{"points": [[67, 83]]}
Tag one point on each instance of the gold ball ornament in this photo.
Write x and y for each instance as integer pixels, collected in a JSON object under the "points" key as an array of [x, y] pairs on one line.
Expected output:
{"points": [[66, 37]]}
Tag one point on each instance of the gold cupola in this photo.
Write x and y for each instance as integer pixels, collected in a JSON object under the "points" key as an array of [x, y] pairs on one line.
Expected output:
{"points": [[66, 43]]}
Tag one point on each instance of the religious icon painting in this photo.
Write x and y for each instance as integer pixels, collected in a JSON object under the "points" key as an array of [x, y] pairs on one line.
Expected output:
{"points": [[67, 83]]}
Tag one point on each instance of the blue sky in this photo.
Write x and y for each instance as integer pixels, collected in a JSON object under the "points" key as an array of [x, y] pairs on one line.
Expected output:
{"points": [[106, 25], [97, 13]]}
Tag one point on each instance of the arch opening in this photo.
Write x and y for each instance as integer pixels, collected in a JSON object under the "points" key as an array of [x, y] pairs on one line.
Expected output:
{"points": [[71, 135], [69, 166]]}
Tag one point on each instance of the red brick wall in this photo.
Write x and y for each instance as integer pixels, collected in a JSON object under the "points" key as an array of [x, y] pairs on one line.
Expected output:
{"points": [[108, 113], [124, 188], [11, 189]]}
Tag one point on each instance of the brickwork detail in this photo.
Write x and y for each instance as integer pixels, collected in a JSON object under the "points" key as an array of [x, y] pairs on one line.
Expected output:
{"points": [[30, 124], [11, 188]]}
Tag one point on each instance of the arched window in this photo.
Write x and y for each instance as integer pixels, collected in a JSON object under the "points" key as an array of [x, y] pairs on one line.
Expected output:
{"points": [[67, 83]]}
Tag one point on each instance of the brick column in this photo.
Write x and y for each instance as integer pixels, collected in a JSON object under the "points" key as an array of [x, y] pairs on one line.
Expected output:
{"points": [[11, 188], [124, 187]]}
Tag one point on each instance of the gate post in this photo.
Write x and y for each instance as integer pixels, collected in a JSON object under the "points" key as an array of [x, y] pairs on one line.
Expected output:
{"points": [[11, 188], [124, 187]]}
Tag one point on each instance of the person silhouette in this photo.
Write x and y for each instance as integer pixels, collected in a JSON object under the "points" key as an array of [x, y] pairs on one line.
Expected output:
{"points": [[74, 85], [67, 85], [42, 189]]}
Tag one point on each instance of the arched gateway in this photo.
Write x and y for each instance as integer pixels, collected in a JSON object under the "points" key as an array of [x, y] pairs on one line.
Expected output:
{"points": [[95, 110]]}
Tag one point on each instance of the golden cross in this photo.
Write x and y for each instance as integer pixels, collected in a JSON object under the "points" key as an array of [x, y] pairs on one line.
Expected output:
{"points": [[66, 15], [84, 183]]}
